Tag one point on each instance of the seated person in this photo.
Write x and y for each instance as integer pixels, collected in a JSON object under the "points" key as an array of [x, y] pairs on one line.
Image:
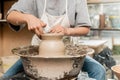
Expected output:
{"points": [[69, 17]]}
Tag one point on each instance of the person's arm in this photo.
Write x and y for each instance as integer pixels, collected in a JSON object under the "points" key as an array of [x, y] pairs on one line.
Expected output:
{"points": [[82, 26], [82, 22], [16, 18], [77, 31], [34, 24]]}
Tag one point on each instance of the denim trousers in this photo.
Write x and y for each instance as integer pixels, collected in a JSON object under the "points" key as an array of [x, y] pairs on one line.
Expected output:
{"points": [[92, 67]]}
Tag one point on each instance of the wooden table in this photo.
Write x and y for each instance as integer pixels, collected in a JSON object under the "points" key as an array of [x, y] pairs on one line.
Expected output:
{"points": [[97, 45]]}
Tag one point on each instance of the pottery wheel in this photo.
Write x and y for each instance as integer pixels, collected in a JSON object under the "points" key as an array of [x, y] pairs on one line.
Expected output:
{"points": [[70, 49]]}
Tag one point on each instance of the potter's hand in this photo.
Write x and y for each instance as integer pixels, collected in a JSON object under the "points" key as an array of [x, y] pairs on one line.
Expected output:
{"points": [[34, 24], [59, 29]]}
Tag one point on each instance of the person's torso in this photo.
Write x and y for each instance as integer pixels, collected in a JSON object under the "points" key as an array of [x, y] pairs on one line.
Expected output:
{"points": [[53, 20], [57, 8]]}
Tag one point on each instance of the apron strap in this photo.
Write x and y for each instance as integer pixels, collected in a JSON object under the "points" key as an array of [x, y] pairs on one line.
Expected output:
{"points": [[44, 7], [66, 6]]}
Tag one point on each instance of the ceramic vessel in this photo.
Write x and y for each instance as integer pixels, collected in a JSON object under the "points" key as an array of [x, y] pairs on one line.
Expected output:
{"points": [[51, 45], [116, 70]]}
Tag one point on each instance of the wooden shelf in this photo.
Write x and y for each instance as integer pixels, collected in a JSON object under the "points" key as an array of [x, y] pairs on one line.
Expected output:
{"points": [[11, 0], [102, 1], [106, 29], [3, 21]]}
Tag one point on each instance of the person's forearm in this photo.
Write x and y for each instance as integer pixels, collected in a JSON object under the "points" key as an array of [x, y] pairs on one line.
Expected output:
{"points": [[78, 31], [16, 18]]}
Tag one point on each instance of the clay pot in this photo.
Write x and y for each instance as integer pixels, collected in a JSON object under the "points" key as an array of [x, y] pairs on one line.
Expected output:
{"points": [[116, 70], [51, 45]]}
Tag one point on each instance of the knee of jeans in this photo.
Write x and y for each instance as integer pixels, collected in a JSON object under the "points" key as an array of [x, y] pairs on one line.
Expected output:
{"points": [[101, 71]]}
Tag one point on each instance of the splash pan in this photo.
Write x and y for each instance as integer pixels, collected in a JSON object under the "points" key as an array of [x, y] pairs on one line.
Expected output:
{"points": [[61, 67]]}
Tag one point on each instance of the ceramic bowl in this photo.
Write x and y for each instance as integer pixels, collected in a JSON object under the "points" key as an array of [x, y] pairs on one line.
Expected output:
{"points": [[116, 70]]}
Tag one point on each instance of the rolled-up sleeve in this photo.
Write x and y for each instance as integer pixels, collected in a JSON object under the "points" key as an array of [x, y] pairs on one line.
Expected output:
{"points": [[82, 15], [24, 6]]}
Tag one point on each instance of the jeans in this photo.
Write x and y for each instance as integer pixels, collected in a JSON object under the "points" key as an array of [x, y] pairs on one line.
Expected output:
{"points": [[92, 67], [16, 68]]}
